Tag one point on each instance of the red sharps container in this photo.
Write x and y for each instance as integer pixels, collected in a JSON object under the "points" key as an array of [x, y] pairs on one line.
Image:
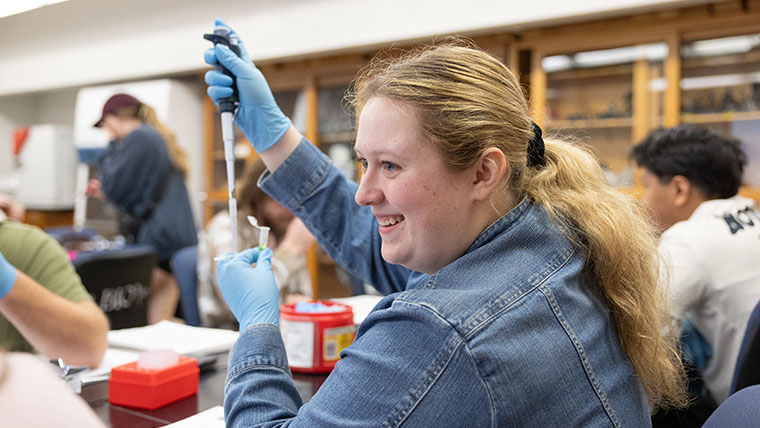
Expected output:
{"points": [[314, 334]]}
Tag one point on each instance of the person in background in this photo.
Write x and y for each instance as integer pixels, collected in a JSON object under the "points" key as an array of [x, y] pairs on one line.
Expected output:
{"points": [[12, 208], [142, 173], [521, 288], [288, 237], [43, 305], [709, 240]]}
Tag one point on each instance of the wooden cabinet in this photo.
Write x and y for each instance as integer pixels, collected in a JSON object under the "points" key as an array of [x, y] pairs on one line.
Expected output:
{"points": [[605, 99], [46, 218], [608, 83], [720, 83]]}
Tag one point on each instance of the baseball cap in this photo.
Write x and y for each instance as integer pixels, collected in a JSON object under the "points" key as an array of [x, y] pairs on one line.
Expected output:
{"points": [[114, 103]]}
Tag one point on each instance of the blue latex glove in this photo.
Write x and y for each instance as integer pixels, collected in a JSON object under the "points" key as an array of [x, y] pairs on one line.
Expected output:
{"points": [[250, 292], [7, 276], [694, 347], [258, 115]]}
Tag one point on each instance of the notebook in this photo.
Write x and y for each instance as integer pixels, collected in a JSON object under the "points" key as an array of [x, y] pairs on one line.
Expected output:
{"points": [[181, 338]]}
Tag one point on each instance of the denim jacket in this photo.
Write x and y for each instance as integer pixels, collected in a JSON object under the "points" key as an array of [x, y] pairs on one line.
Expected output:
{"points": [[511, 334]]}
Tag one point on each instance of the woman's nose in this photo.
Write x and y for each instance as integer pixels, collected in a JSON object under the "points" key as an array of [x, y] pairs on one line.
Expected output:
{"points": [[368, 192]]}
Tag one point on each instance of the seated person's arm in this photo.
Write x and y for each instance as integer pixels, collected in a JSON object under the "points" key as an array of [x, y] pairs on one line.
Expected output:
{"points": [[55, 326], [47, 302]]}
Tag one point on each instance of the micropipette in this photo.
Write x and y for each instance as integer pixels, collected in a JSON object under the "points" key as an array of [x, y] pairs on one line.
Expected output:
{"points": [[227, 108], [263, 231]]}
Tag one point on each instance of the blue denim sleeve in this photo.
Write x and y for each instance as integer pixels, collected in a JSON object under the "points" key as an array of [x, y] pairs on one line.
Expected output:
{"points": [[320, 195], [407, 367], [258, 385]]}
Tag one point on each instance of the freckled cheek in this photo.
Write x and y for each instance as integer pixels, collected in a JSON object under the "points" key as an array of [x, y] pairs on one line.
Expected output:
{"points": [[425, 207]]}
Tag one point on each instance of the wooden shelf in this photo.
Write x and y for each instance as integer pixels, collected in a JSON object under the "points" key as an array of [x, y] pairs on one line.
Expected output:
{"points": [[592, 72], [337, 137], [727, 116], [617, 122], [723, 60], [216, 195]]}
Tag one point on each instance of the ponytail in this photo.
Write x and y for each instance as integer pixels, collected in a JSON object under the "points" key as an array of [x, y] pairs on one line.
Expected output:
{"points": [[177, 155], [621, 245]]}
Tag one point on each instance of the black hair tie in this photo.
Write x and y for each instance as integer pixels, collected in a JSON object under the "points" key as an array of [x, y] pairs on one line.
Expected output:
{"points": [[536, 148]]}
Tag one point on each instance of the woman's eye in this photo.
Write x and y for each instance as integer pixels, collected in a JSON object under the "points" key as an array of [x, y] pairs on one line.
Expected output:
{"points": [[389, 167]]}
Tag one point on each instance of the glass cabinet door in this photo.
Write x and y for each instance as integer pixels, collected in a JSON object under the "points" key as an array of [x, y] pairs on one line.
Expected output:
{"points": [[336, 129], [602, 97], [720, 90]]}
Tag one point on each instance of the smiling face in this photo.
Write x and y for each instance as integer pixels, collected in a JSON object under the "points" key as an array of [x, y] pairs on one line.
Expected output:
{"points": [[424, 210]]}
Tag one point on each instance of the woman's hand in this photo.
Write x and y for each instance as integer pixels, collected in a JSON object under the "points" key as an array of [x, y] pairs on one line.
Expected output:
{"points": [[250, 292], [258, 115], [93, 189]]}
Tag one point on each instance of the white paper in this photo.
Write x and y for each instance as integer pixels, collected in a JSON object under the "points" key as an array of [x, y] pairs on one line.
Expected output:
{"points": [[362, 305], [181, 338], [112, 358], [211, 418]]}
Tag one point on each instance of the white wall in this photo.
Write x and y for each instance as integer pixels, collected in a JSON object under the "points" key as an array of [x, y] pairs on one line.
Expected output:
{"points": [[86, 42], [55, 106]]}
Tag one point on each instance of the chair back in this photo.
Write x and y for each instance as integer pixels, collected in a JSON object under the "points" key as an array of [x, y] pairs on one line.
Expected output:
{"points": [[119, 281], [748, 363], [740, 410], [184, 265]]}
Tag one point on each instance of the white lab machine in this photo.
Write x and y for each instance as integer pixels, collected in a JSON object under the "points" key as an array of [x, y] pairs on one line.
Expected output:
{"points": [[48, 162]]}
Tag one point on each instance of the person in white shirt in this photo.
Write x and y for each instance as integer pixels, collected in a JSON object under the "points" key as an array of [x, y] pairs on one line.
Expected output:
{"points": [[710, 238]]}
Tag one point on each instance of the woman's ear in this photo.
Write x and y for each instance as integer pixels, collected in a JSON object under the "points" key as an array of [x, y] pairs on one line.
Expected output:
{"points": [[489, 173]]}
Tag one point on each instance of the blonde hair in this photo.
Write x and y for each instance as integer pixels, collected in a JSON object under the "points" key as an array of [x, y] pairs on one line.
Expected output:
{"points": [[146, 114], [467, 101]]}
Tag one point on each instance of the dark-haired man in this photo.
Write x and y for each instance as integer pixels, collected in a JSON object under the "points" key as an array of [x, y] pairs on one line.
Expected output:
{"points": [[710, 239]]}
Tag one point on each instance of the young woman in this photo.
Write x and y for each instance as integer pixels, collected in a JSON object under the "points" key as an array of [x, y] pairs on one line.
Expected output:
{"points": [[142, 173], [522, 290]]}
